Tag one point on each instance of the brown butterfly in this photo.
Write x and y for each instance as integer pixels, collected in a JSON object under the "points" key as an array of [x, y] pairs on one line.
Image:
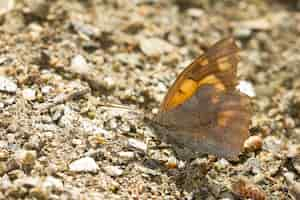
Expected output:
{"points": [[202, 111]]}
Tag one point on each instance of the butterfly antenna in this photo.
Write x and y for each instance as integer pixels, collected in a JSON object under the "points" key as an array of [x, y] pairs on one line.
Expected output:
{"points": [[147, 117], [120, 107]]}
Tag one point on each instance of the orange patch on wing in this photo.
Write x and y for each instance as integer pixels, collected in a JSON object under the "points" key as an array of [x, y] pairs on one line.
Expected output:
{"points": [[212, 80], [186, 90], [188, 87]]}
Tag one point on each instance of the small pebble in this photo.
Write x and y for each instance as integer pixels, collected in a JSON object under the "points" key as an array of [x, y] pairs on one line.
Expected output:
{"points": [[137, 144], [155, 46], [253, 143], [6, 6], [79, 65], [26, 158], [91, 128], [146, 170], [172, 163], [86, 164], [35, 31], [53, 183], [85, 29], [222, 164], [195, 12], [76, 142], [129, 59], [247, 88], [293, 150], [126, 154], [7, 85], [29, 94], [113, 170], [5, 182], [241, 32], [46, 89], [108, 83]]}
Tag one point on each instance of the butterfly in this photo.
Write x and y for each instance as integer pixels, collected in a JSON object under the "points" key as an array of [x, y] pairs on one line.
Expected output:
{"points": [[203, 111]]}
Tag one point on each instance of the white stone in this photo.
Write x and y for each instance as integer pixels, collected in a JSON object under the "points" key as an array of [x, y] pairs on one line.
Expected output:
{"points": [[137, 144], [7, 85], [127, 154], [29, 94], [6, 6], [53, 183], [113, 170], [86, 164], [79, 65], [93, 129], [46, 89], [195, 12], [5, 182], [246, 88], [155, 46]]}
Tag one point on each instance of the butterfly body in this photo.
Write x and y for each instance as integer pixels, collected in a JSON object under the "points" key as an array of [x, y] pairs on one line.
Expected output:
{"points": [[202, 111]]}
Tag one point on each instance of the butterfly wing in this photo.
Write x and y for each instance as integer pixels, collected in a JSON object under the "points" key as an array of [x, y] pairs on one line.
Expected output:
{"points": [[217, 66], [210, 121], [203, 110]]}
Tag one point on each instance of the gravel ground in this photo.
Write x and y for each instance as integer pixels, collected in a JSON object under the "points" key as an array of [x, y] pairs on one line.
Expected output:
{"points": [[61, 61]]}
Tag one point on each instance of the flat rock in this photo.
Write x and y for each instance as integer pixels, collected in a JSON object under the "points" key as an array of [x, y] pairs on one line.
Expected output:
{"points": [[155, 46], [86, 164], [137, 144]]}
